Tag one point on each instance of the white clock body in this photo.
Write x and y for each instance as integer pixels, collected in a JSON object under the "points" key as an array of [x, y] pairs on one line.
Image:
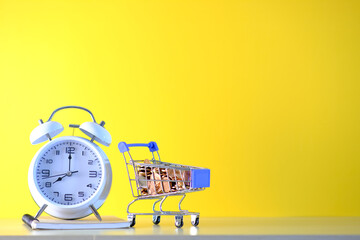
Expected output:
{"points": [[69, 174]]}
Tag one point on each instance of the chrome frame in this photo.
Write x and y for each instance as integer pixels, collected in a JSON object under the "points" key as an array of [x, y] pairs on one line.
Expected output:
{"points": [[160, 198]]}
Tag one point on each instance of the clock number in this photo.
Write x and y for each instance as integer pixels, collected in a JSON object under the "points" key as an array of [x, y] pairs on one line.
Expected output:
{"points": [[81, 194], [70, 150], [45, 173], [89, 185], [48, 184], [56, 193], [90, 162], [57, 152], [68, 197], [49, 161], [92, 174]]}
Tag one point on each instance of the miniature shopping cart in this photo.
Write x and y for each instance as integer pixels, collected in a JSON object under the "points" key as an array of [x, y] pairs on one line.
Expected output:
{"points": [[157, 180]]}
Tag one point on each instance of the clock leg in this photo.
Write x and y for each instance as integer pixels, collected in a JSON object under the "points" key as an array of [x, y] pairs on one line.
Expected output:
{"points": [[95, 212], [41, 210]]}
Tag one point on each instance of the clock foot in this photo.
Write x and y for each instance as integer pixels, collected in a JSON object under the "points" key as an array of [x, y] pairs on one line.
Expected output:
{"points": [[28, 219], [95, 212], [41, 210]]}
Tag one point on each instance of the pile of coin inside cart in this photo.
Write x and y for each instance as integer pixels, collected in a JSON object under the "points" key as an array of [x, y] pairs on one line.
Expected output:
{"points": [[156, 180]]}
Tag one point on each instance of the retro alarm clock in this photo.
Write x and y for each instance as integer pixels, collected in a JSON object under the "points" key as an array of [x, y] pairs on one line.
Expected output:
{"points": [[70, 176]]}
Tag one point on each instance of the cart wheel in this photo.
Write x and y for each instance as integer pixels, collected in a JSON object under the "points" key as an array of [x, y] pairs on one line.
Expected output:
{"points": [[195, 220], [179, 222], [156, 219], [131, 219]]}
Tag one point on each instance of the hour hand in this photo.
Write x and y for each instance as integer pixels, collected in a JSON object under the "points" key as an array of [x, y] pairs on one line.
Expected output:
{"points": [[59, 179], [65, 175]]}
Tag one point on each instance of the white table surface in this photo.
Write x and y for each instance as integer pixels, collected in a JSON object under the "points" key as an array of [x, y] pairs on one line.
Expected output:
{"points": [[209, 228]]}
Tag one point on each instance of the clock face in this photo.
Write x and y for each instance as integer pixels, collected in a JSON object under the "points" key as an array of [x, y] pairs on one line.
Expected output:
{"points": [[68, 172]]}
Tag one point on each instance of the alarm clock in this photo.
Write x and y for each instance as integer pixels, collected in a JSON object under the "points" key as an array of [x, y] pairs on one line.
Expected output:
{"points": [[70, 176]]}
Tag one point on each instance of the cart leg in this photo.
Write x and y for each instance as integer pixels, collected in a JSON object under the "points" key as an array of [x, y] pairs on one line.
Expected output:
{"points": [[161, 203], [195, 220], [156, 219], [131, 219], [181, 202], [128, 206], [179, 222], [155, 204]]}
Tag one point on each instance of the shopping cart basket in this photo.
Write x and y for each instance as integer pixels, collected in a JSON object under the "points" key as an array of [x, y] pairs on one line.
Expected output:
{"points": [[157, 180]]}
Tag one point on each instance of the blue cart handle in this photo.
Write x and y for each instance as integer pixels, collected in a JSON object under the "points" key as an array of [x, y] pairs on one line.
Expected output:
{"points": [[124, 147]]}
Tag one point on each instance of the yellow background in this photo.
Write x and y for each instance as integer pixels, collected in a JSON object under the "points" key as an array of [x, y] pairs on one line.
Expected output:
{"points": [[264, 93]]}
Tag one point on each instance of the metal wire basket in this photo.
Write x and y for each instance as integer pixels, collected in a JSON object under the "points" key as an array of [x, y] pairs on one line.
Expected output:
{"points": [[156, 180]]}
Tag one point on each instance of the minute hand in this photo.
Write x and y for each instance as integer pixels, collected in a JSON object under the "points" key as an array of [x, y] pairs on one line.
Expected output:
{"points": [[58, 175], [69, 161]]}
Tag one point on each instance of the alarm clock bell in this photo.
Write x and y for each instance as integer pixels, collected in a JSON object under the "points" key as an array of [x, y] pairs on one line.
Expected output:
{"points": [[96, 132], [45, 131]]}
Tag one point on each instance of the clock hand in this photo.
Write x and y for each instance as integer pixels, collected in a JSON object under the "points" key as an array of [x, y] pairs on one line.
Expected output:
{"points": [[68, 174], [54, 176], [69, 161], [59, 175], [59, 179]]}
